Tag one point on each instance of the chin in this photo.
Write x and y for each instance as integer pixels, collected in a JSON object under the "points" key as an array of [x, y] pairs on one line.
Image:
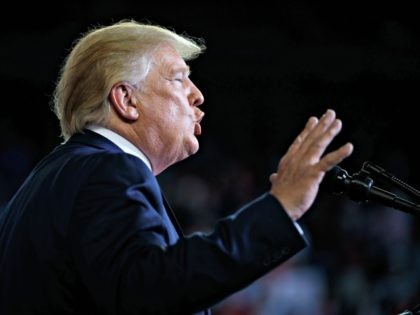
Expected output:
{"points": [[193, 150], [193, 147]]}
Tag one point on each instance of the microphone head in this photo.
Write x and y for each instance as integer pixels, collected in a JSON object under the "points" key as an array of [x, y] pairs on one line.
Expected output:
{"points": [[335, 181]]}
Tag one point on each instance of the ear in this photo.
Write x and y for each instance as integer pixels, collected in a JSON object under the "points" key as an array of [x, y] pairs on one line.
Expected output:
{"points": [[124, 102]]}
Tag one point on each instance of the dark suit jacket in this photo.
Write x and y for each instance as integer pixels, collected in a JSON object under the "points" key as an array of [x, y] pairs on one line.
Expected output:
{"points": [[90, 233]]}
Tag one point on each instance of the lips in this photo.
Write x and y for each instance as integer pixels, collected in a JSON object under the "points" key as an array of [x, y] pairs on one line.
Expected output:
{"points": [[197, 129], [197, 126]]}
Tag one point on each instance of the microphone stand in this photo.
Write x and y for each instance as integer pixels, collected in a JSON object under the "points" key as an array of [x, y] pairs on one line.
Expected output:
{"points": [[359, 187]]}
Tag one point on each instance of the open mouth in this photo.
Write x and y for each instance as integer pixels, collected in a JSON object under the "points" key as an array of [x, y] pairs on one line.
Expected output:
{"points": [[197, 126], [201, 117]]}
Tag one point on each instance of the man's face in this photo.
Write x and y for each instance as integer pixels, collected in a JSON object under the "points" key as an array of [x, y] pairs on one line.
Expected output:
{"points": [[169, 116]]}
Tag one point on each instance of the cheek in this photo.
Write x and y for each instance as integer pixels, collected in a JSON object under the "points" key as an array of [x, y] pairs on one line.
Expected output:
{"points": [[175, 112], [167, 109]]}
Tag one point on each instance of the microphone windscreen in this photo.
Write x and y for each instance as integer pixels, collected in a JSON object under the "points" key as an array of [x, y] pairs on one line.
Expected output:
{"points": [[334, 180]]}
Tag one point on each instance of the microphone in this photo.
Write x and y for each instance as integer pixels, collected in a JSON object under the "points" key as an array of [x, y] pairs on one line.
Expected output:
{"points": [[360, 188]]}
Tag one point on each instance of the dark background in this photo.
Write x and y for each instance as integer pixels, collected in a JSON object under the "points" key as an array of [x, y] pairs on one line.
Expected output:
{"points": [[267, 68]]}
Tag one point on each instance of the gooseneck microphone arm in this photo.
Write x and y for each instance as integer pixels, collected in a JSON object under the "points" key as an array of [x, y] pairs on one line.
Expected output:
{"points": [[360, 188], [379, 172]]}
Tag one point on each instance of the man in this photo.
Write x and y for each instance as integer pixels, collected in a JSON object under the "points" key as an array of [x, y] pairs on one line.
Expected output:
{"points": [[89, 231]]}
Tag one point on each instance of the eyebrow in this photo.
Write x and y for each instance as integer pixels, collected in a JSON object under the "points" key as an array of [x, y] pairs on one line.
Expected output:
{"points": [[183, 69]]}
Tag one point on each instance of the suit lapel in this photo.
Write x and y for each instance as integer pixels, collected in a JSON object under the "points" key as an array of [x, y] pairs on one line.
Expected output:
{"points": [[172, 216], [94, 139]]}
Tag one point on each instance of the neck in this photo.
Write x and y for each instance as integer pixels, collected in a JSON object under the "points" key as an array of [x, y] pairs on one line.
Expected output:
{"points": [[151, 146]]}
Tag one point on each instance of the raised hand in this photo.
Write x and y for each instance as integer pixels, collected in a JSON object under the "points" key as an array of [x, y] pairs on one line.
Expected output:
{"points": [[302, 168]]}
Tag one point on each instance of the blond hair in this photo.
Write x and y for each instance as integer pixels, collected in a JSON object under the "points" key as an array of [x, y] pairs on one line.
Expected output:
{"points": [[103, 57]]}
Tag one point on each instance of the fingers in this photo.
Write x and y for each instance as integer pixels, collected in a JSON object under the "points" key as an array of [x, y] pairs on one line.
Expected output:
{"points": [[318, 145], [333, 158], [311, 143], [325, 128], [312, 122], [302, 168]]}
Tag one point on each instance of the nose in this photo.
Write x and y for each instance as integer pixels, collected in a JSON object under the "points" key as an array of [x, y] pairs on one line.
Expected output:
{"points": [[196, 97]]}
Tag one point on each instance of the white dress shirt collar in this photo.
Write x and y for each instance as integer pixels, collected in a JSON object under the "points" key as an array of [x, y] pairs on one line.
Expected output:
{"points": [[121, 142]]}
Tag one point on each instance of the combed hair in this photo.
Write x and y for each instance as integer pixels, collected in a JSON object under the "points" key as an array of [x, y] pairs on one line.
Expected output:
{"points": [[102, 57]]}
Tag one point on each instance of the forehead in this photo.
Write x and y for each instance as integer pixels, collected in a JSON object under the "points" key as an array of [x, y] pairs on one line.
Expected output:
{"points": [[168, 60]]}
